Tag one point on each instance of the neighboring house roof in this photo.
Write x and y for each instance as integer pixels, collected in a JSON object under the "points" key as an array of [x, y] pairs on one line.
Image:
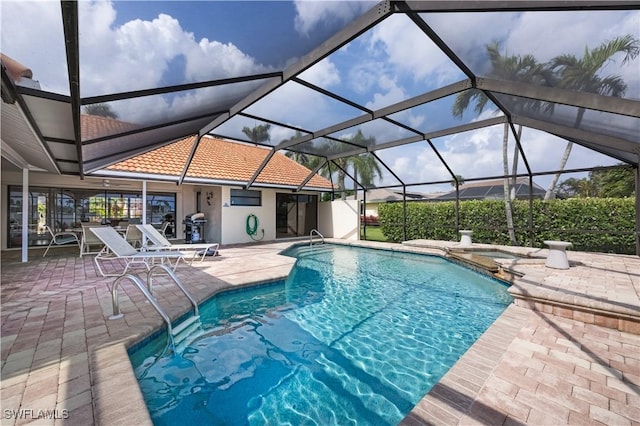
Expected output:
{"points": [[382, 195], [221, 161], [492, 189], [95, 126]]}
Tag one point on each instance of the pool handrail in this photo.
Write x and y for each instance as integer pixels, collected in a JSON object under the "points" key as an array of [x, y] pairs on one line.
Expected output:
{"points": [[175, 279], [117, 314], [315, 231], [147, 291]]}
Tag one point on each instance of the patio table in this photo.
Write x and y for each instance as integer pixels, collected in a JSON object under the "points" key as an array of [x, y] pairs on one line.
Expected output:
{"points": [[557, 257]]}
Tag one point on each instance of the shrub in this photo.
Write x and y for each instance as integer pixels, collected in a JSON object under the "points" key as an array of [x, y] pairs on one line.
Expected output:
{"points": [[591, 224]]}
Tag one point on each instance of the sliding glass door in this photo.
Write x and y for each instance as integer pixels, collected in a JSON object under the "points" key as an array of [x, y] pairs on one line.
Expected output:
{"points": [[65, 209], [296, 214]]}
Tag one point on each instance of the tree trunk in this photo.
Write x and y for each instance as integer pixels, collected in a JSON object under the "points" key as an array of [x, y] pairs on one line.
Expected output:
{"points": [[507, 194], [563, 162], [514, 167]]}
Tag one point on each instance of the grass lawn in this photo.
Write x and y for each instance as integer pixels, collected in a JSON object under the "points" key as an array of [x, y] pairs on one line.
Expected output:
{"points": [[374, 233]]}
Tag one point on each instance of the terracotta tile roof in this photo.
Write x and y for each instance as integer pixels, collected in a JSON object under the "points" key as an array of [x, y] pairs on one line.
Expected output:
{"points": [[95, 126], [15, 69], [218, 159]]}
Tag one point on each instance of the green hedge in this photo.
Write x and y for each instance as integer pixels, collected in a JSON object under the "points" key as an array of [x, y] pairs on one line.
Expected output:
{"points": [[565, 220]]}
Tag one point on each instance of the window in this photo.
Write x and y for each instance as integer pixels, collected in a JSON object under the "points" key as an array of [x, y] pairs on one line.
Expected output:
{"points": [[246, 197], [64, 208]]}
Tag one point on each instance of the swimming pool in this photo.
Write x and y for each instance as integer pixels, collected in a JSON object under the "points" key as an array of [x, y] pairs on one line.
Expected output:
{"points": [[353, 336]]}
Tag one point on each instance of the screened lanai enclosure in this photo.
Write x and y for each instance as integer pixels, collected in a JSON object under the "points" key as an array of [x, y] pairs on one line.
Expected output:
{"points": [[414, 96]]}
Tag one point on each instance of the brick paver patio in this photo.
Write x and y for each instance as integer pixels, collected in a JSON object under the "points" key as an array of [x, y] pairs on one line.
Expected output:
{"points": [[566, 352]]}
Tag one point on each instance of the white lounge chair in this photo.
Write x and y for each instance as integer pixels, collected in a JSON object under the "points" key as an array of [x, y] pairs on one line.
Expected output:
{"points": [[159, 242], [116, 247], [89, 243]]}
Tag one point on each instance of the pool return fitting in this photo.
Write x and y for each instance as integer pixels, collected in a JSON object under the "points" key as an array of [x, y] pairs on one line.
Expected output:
{"points": [[147, 291]]}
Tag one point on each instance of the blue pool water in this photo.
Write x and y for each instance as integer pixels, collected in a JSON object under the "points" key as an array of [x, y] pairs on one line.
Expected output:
{"points": [[353, 336]]}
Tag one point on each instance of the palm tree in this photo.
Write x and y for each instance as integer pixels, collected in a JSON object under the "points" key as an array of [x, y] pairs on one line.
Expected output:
{"points": [[582, 75], [258, 134], [458, 180], [513, 68], [364, 164], [102, 110]]}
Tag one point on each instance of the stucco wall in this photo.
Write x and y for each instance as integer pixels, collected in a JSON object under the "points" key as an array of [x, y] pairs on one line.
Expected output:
{"points": [[234, 218], [339, 219]]}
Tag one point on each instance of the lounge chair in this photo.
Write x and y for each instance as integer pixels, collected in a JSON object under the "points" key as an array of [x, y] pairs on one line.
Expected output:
{"points": [[89, 240], [61, 238], [159, 242], [133, 236], [116, 247]]}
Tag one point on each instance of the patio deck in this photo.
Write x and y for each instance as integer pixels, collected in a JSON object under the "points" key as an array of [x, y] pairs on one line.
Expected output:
{"points": [[566, 352]]}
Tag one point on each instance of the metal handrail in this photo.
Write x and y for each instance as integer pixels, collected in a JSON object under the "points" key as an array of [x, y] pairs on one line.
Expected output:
{"points": [[147, 291], [175, 280], [315, 231], [116, 307]]}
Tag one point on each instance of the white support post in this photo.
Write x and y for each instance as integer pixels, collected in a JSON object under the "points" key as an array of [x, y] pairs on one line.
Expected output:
{"points": [[144, 202], [25, 215], [144, 210]]}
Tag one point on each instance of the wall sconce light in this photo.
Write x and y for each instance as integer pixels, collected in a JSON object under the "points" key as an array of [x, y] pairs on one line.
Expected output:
{"points": [[209, 197]]}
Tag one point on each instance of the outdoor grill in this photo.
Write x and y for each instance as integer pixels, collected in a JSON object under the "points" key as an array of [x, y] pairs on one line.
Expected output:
{"points": [[194, 228]]}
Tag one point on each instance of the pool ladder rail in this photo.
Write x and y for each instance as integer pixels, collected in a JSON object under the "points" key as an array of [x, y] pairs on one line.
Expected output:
{"points": [[316, 232], [179, 332]]}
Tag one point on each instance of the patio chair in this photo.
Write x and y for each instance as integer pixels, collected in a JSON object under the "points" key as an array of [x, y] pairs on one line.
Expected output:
{"points": [[161, 243], [60, 239], [163, 228], [116, 247], [133, 236], [89, 240]]}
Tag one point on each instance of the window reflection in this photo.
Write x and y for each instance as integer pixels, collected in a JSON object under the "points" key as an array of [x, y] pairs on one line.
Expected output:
{"points": [[67, 209]]}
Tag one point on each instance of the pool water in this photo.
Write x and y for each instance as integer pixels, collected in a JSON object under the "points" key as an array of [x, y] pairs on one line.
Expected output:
{"points": [[352, 336]]}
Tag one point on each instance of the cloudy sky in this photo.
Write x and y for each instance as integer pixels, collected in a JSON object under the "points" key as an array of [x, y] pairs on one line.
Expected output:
{"points": [[135, 45]]}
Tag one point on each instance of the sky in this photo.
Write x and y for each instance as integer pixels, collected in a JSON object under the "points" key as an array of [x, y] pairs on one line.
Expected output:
{"points": [[133, 45]]}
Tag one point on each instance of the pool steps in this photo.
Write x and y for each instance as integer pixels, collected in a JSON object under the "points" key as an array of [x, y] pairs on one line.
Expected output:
{"points": [[147, 291], [183, 326], [186, 332]]}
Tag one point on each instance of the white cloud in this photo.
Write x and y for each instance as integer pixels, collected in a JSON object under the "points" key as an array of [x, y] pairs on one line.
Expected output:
{"points": [[393, 93], [312, 14], [136, 54], [410, 51], [324, 74], [28, 30]]}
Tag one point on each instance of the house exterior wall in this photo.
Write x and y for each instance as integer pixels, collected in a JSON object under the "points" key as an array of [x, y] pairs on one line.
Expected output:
{"points": [[371, 209], [226, 224], [234, 218], [339, 219]]}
